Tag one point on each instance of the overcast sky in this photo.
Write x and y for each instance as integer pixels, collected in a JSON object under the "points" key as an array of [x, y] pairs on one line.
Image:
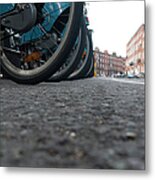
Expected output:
{"points": [[114, 23]]}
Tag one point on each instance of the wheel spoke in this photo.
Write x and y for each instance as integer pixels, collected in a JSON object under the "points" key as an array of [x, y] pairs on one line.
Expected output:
{"points": [[47, 35], [11, 50], [62, 23], [51, 52], [57, 30], [64, 15]]}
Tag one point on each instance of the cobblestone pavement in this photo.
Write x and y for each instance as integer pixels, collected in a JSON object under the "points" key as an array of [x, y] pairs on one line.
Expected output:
{"points": [[93, 123]]}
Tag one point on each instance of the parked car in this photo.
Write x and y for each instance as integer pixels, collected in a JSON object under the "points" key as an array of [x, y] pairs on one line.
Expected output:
{"points": [[140, 75], [119, 75], [131, 76], [123, 75]]}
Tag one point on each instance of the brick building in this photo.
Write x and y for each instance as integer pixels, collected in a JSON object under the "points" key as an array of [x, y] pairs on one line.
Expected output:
{"points": [[135, 61], [108, 64]]}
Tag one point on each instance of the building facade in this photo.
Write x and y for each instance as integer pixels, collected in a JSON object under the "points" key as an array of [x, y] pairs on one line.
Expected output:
{"points": [[108, 64], [135, 48]]}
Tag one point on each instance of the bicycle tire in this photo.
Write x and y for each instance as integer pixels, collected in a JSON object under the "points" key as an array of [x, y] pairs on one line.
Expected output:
{"points": [[54, 63]]}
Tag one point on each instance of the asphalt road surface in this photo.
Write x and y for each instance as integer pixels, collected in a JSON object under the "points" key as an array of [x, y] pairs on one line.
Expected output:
{"points": [[93, 123]]}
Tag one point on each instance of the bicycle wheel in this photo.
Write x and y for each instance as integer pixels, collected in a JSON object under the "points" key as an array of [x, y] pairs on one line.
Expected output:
{"points": [[33, 56], [73, 58], [85, 61], [90, 72]]}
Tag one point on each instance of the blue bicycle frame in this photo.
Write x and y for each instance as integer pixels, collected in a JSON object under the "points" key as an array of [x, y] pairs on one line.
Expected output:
{"points": [[52, 10]]}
